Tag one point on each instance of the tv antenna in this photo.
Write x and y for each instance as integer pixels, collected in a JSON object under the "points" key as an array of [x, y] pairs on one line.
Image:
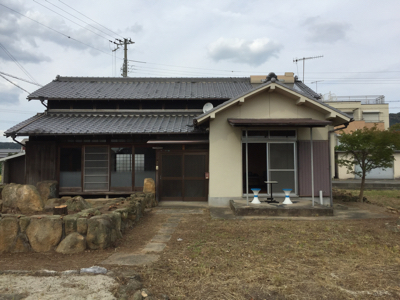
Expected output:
{"points": [[316, 84], [304, 59]]}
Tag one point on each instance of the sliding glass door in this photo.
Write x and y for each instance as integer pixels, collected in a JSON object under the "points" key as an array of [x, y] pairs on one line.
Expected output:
{"points": [[270, 161], [282, 166]]}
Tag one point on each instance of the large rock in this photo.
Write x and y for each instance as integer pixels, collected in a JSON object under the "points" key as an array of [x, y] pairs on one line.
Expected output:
{"points": [[77, 204], [8, 233], [23, 223], [149, 186], [1, 189], [151, 200], [49, 204], [9, 196], [73, 243], [22, 244], [47, 189], [81, 226], [70, 224], [99, 232], [28, 199], [44, 232]]}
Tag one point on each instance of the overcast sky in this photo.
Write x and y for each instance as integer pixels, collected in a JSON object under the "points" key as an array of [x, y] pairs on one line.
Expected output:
{"points": [[359, 41]]}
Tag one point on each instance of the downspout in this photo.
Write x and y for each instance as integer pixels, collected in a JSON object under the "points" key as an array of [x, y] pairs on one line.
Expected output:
{"points": [[330, 155], [247, 170], [13, 138]]}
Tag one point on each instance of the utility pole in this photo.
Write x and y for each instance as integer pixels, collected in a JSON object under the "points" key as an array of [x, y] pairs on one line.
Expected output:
{"points": [[304, 59], [316, 84], [124, 42]]}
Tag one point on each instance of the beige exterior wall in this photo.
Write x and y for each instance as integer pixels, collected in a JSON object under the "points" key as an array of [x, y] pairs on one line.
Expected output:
{"points": [[342, 171], [357, 108], [226, 143], [396, 165]]}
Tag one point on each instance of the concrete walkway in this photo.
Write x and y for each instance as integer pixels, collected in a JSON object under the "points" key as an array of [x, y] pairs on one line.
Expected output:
{"points": [[148, 254]]}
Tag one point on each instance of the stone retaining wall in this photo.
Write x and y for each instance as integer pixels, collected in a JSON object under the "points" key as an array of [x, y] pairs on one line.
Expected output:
{"points": [[87, 229]]}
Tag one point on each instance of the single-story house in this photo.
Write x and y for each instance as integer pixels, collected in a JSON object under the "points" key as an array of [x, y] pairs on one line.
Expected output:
{"points": [[200, 139]]}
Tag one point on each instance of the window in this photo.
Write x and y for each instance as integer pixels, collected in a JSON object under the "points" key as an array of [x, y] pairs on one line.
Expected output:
{"points": [[269, 134], [139, 162], [121, 167], [371, 117]]}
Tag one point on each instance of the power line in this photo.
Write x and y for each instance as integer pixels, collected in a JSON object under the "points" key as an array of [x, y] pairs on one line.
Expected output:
{"points": [[14, 84], [80, 19], [17, 63], [91, 19], [55, 30], [20, 78], [72, 21], [138, 68]]}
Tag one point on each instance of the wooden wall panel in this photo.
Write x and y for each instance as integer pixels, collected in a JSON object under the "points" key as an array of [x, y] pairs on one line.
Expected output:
{"points": [[40, 162], [16, 170], [321, 168]]}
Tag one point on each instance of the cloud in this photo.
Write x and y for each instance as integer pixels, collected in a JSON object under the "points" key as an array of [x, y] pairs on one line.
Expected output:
{"points": [[253, 53], [320, 31], [24, 38], [9, 97], [135, 28]]}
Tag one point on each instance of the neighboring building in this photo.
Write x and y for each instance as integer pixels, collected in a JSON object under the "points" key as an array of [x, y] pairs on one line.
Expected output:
{"points": [[7, 152], [367, 111], [105, 135], [13, 168]]}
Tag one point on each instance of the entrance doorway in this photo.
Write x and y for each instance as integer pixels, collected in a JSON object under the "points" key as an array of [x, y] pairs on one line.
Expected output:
{"points": [[270, 161], [182, 176]]}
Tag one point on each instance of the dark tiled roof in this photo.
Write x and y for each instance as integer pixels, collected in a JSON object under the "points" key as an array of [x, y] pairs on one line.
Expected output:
{"points": [[301, 87], [296, 88], [81, 124], [97, 88]]}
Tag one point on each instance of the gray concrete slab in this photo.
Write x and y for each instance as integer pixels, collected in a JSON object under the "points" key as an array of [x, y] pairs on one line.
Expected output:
{"points": [[179, 211], [226, 213], [161, 238], [298, 208], [166, 230], [130, 259], [154, 247], [174, 220], [170, 225]]}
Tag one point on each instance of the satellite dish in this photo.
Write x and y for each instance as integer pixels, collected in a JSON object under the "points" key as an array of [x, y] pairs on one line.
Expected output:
{"points": [[207, 107]]}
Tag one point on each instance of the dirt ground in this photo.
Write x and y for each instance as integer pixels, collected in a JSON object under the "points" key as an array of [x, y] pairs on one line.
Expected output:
{"points": [[254, 259], [132, 240]]}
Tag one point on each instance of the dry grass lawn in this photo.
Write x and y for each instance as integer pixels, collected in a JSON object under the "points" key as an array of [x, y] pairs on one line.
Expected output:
{"points": [[278, 259], [382, 198]]}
